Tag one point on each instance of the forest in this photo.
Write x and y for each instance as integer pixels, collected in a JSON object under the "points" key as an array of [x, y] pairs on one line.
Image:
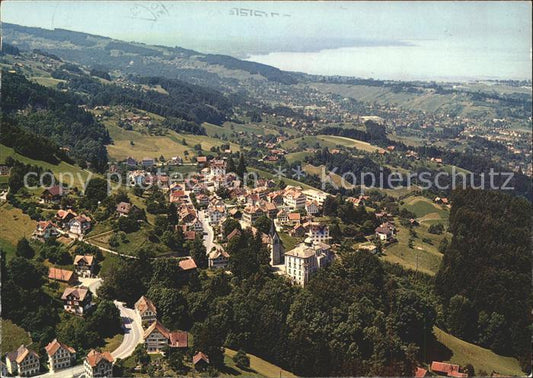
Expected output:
{"points": [[29, 109], [485, 277]]}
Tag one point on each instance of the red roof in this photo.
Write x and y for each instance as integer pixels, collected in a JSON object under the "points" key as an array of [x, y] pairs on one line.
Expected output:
{"points": [[444, 367], [179, 339], [61, 274], [54, 346], [94, 357], [187, 264], [420, 372], [199, 357]]}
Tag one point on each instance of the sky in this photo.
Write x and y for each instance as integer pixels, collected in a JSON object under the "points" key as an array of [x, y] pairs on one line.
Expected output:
{"points": [[258, 28]]}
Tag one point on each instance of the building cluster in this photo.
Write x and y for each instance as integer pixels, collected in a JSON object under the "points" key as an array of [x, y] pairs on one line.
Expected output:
{"points": [[157, 338], [26, 362]]}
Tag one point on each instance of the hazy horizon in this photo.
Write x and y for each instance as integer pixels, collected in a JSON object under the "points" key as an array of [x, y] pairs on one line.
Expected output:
{"points": [[384, 40]]}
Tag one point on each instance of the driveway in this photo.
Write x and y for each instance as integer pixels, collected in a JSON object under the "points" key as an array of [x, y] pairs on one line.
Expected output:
{"points": [[133, 331], [92, 283]]}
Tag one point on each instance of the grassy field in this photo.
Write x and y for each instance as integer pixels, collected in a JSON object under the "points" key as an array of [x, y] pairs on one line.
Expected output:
{"points": [[426, 210], [297, 156], [287, 181], [47, 81], [112, 343], [423, 256], [452, 349], [14, 226], [13, 336], [289, 242], [258, 366], [145, 145], [228, 128], [60, 170]]}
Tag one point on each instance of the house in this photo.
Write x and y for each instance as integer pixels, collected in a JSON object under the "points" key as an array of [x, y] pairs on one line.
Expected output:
{"points": [[84, 265], [178, 196], [304, 260], [64, 216], [77, 300], [178, 339], [195, 225], [60, 356], [294, 218], [131, 162], [420, 372], [187, 215], [79, 225], [46, 230], [218, 259], [276, 198], [311, 207], [124, 208], [232, 234], [201, 160], [98, 364], [62, 275], [216, 213], [217, 167], [53, 194], [147, 162], [315, 195], [444, 368], [156, 337], [282, 217], [297, 231], [4, 170], [319, 233], [293, 198], [146, 310], [270, 209], [251, 214], [200, 361], [385, 232], [187, 264], [24, 362]]}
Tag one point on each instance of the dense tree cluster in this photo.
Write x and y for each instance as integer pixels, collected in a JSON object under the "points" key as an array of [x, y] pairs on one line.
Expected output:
{"points": [[485, 276], [54, 115]]}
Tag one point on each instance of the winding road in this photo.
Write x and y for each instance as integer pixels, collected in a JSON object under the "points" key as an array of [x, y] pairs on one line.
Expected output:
{"points": [[133, 331]]}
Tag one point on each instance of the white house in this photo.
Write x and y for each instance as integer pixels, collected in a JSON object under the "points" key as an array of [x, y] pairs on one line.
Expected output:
{"points": [[24, 362], [319, 233], [218, 259], [293, 198], [146, 310], [60, 356], [79, 225], [98, 364], [304, 260], [311, 207]]}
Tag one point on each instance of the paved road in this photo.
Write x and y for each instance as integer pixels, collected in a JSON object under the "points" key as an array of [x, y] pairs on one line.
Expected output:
{"points": [[133, 331], [76, 371], [209, 239]]}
